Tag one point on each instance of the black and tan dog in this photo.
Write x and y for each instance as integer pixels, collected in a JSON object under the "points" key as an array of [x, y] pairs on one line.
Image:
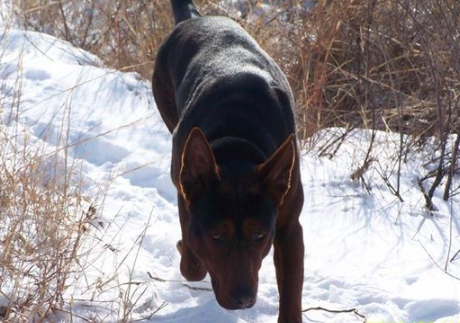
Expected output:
{"points": [[235, 161]]}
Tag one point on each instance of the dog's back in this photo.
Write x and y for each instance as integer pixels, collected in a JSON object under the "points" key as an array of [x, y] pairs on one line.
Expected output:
{"points": [[226, 84]]}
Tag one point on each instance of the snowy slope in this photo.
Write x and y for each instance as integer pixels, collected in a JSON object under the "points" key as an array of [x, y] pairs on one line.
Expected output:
{"points": [[367, 251]]}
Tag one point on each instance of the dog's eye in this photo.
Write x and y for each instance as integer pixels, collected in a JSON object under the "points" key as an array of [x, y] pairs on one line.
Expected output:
{"points": [[258, 236], [217, 237]]}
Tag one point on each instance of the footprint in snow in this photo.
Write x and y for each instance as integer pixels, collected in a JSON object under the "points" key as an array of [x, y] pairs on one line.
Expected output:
{"points": [[430, 310], [37, 75]]}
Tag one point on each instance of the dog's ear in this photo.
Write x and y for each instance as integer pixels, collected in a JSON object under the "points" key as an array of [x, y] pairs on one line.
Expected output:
{"points": [[198, 165], [276, 172]]}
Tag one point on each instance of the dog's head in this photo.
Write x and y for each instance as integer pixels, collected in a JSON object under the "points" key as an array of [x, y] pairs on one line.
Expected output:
{"points": [[232, 215]]}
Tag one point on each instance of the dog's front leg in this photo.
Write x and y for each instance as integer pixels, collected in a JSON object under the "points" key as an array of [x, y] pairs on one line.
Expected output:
{"points": [[289, 254], [190, 266]]}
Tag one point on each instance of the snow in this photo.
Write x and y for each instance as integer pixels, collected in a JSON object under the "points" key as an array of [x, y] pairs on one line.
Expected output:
{"points": [[364, 250]]}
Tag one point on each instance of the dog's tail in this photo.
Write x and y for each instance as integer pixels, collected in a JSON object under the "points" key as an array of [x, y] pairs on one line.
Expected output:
{"points": [[183, 10]]}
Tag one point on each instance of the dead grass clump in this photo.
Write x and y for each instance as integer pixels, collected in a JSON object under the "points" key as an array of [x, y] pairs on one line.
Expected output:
{"points": [[43, 222], [125, 34], [379, 64]]}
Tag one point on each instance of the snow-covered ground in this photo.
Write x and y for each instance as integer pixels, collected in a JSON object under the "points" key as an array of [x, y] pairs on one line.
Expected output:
{"points": [[364, 250]]}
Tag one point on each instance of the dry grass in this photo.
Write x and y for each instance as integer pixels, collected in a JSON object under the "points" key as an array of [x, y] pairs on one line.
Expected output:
{"points": [[125, 34], [43, 223], [373, 64], [44, 220], [389, 65], [51, 234]]}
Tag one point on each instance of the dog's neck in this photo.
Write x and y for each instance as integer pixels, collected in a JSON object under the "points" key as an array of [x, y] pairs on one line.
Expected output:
{"points": [[234, 151]]}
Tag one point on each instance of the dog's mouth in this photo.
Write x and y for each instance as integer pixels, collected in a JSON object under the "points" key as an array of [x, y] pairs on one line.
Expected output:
{"points": [[235, 299]]}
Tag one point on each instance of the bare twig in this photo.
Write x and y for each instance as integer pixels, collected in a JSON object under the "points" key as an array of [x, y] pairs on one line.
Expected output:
{"points": [[428, 202], [338, 141], [449, 249], [352, 310], [436, 264], [453, 164], [64, 21], [362, 169], [394, 191], [455, 255], [156, 278], [149, 317]]}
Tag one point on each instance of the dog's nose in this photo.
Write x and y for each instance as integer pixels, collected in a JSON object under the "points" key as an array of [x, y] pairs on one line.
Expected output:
{"points": [[246, 302], [244, 299]]}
